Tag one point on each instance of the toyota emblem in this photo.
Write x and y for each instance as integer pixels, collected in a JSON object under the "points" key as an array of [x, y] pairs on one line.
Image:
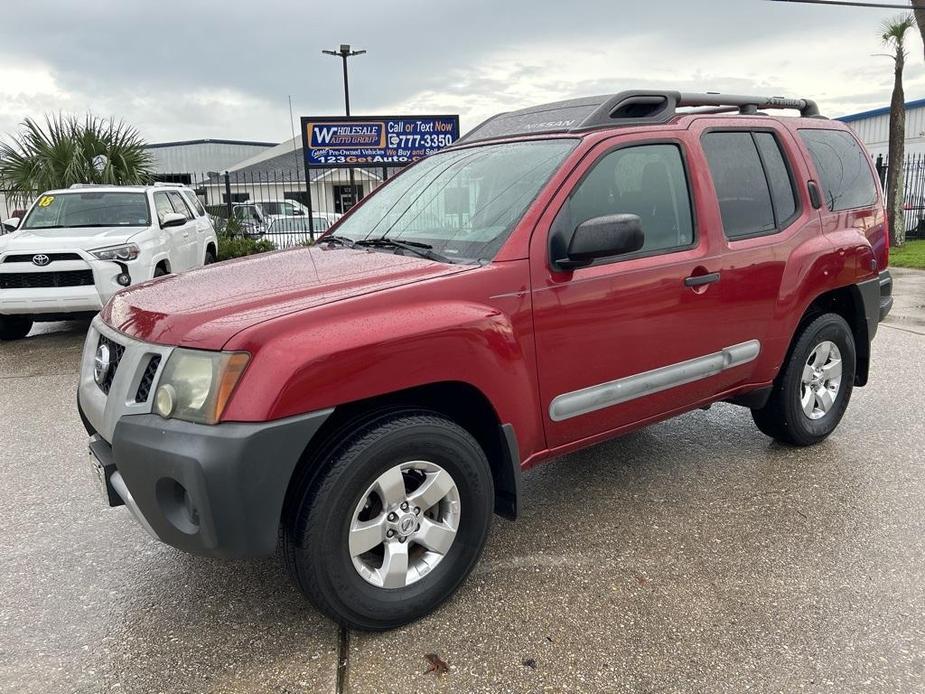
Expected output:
{"points": [[101, 364], [41, 260]]}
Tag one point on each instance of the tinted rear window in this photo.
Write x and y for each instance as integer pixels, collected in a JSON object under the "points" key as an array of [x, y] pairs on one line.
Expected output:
{"points": [[741, 187], [842, 164]]}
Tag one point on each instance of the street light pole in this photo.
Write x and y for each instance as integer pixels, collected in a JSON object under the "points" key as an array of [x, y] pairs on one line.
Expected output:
{"points": [[343, 53]]}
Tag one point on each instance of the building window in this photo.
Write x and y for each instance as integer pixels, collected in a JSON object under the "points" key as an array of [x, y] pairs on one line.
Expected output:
{"points": [[297, 195], [236, 197]]}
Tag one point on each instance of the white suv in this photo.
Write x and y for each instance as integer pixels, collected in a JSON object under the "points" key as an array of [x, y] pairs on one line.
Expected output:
{"points": [[75, 248]]}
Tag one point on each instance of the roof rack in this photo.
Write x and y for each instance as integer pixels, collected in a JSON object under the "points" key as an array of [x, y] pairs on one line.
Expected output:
{"points": [[635, 107]]}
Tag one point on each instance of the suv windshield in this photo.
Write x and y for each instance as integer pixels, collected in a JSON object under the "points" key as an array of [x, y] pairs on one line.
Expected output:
{"points": [[88, 209], [462, 203]]}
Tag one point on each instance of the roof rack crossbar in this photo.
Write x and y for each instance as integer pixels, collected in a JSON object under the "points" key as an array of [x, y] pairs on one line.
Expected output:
{"points": [[750, 104]]}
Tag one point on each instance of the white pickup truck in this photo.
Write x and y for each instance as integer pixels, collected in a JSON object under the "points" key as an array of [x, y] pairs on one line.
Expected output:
{"points": [[77, 247]]}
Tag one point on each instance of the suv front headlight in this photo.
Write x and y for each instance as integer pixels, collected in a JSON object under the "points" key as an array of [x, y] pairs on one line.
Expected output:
{"points": [[126, 251], [195, 386]]}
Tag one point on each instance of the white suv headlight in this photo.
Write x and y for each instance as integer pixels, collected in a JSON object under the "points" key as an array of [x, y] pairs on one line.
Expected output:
{"points": [[195, 386], [126, 251]]}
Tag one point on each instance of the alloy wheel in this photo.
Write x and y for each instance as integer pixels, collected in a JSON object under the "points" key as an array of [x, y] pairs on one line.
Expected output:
{"points": [[404, 524], [821, 380]]}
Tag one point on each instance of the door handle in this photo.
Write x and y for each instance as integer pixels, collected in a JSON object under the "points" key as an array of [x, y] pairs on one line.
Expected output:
{"points": [[700, 280]]}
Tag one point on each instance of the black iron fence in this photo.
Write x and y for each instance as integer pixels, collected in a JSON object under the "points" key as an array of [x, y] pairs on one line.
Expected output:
{"points": [[278, 204], [913, 192]]}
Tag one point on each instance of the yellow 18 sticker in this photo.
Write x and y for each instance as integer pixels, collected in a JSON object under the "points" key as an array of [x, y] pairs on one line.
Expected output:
{"points": [[46, 200]]}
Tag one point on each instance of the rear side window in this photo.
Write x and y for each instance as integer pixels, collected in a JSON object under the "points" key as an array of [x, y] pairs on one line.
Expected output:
{"points": [[842, 165], [752, 181], [194, 202], [645, 180], [780, 182]]}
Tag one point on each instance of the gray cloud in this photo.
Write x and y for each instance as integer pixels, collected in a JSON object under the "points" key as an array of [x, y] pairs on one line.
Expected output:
{"points": [[221, 69]]}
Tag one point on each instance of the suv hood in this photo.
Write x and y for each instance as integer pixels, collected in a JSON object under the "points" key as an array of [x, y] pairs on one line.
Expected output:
{"points": [[205, 308], [82, 238]]}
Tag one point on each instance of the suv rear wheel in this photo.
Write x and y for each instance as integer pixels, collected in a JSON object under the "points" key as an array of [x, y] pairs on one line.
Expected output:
{"points": [[393, 524], [812, 392], [14, 327]]}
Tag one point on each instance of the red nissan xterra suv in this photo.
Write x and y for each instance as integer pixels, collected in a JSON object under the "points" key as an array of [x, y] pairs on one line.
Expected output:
{"points": [[562, 275]]}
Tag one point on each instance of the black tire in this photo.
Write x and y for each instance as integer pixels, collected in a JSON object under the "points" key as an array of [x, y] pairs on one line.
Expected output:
{"points": [[317, 522], [210, 258], [783, 418], [14, 327], [160, 271]]}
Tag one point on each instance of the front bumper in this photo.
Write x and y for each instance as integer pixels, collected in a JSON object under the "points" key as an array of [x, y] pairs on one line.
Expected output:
{"points": [[211, 490], [77, 298]]}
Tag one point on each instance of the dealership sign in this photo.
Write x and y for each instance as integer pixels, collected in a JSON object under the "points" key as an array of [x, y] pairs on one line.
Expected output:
{"points": [[360, 141]]}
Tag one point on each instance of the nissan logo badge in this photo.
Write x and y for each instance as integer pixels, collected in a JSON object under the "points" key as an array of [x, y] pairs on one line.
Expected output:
{"points": [[101, 364]]}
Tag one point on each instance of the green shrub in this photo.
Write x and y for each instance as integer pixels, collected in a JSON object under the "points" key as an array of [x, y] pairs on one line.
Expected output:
{"points": [[232, 243]]}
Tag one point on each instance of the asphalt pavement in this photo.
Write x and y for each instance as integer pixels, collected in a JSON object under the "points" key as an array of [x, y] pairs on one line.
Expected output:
{"points": [[695, 555]]}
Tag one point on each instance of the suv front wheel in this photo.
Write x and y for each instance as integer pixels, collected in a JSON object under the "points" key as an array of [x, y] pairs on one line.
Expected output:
{"points": [[813, 390], [394, 522]]}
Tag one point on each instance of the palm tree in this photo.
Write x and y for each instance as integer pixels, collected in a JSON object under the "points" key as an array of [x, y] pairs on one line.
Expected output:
{"points": [[71, 150], [894, 36]]}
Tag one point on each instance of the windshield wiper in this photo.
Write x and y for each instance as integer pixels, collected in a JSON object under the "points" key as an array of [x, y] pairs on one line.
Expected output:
{"points": [[425, 250], [342, 240]]}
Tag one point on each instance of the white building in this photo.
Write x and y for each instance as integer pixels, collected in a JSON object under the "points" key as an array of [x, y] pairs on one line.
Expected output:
{"points": [[183, 162], [873, 127]]}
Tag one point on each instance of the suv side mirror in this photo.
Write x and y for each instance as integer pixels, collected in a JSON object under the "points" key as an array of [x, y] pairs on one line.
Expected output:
{"points": [[11, 224], [173, 219], [602, 237]]}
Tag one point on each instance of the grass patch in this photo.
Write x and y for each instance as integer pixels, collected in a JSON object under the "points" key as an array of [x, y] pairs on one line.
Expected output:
{"points": [[911, 254]]}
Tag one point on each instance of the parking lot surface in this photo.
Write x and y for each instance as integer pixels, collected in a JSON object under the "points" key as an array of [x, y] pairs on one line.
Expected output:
{"points": [[695, 555]]}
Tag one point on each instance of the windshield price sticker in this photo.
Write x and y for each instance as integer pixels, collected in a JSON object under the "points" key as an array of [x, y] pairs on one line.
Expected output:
{"points": [[46, 200], [375, 141]]}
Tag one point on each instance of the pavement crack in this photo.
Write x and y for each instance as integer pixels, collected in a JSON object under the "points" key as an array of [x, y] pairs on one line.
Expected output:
{"points": [[343, 659]]}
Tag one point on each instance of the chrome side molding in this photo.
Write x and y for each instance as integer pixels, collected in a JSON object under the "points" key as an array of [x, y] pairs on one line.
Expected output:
{"points": [[598, 397]]}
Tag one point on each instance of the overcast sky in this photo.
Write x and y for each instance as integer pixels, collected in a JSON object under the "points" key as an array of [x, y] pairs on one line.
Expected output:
{"points": [[224, 69]]}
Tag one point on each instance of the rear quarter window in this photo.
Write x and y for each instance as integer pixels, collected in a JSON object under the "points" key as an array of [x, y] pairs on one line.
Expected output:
{"points": [[844, 172]]}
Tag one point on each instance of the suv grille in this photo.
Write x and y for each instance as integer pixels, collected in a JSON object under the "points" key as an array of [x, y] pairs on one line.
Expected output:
{"points": [[115, 356], [40, 280], [147, 380], [52, 257]]}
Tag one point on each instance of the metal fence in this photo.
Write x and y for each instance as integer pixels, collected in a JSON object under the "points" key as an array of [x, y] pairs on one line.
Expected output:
{"points": [[277, 204], [913, 192]]}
